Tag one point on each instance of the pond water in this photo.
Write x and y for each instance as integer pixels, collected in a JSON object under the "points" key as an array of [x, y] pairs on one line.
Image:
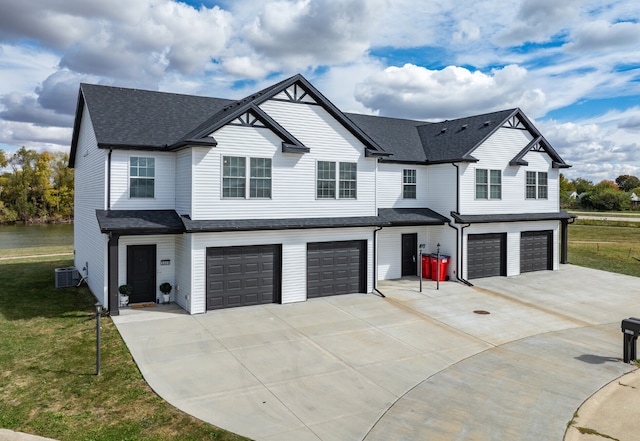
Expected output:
{"points": [[29, 236]]}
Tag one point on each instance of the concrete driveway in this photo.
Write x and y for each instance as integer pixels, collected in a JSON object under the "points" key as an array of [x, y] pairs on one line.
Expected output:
{"points": [[409, 366]]}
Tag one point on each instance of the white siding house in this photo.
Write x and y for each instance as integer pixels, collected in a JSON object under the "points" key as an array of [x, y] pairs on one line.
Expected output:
{"points": [[90, 195], [280, 197]]}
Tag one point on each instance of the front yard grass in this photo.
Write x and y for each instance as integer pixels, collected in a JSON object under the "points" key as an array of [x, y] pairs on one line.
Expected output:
{"points": [[48, 384], [610, 247]]}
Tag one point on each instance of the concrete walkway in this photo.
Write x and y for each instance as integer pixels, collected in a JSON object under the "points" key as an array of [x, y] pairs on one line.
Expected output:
{"points": [[409, 366]]}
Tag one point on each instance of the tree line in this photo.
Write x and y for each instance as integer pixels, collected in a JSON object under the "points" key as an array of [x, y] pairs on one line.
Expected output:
{"points": [[605, 195], [35, 187]]}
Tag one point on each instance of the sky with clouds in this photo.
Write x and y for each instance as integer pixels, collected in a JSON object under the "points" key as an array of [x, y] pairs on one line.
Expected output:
{"points": [[573, 66]]}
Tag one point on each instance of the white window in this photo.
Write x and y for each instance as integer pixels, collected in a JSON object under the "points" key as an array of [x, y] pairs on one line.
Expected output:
{"points": [[234, 177], [543, 186], [142, 173], [488, 184], [537, 185], [260, 178], [347, 174], [326, 182], [348, 180], [409, 182]]}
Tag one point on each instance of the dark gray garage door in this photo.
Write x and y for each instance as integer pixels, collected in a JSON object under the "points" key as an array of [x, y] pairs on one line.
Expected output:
{"points": [[486, 255], [336, 268], [535, 251], [241, 276]]}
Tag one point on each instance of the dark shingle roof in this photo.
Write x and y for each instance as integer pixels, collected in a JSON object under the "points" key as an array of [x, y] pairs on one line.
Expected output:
{"points": [[456, 139], [445, 141], [420, 141], [139, 221], [278, 224], [169, 222], [132, 117], [387, 217], [518, 217], [396, 217], [233, 108], [397, 136]]}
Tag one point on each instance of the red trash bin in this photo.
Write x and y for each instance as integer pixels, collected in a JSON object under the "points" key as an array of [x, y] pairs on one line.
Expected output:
{"points": [[426, 266], [444, 265]]}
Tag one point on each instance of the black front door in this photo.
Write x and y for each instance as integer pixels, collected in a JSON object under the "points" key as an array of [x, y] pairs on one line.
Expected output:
{"points": [[141, 273], [409, 254]]}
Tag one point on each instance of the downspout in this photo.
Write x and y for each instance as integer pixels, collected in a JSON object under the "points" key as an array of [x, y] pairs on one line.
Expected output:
{"points": [[113, 304], [459, 235], [375, 237], [375, 262], [108, 204], [459, 231]]}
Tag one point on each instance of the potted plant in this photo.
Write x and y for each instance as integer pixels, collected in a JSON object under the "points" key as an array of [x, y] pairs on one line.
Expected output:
{"points": [[166, 288], [125, 292]]}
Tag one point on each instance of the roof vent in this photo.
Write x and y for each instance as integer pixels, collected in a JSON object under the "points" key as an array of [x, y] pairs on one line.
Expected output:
{"points": [[464, 126], [486, 123], [443, 130]]}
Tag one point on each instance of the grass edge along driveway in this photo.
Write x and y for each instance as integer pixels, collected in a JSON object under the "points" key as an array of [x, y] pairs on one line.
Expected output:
{"points": [[48, 385]]}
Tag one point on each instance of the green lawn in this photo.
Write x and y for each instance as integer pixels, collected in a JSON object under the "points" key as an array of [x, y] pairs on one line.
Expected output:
{"points": [[48, 384], [608, 246], [36, 251], [607, 213]]}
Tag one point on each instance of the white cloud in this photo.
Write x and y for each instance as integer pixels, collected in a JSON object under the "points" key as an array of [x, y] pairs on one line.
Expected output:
{"points": [[305, 33], [24, 108], [408, 23], [632, 123], [246, 67], [23, 67], [338, 84], [601, 35], [35, 137], [537, 21], [596, 148], [466, 31], [416, 92]]}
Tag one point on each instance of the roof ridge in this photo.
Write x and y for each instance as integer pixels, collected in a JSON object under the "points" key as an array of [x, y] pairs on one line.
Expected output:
{"points": [[134, 89], [255, 95]]}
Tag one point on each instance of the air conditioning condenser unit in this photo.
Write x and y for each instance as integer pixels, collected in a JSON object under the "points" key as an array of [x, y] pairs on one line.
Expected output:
{"points": [[67, 277]]}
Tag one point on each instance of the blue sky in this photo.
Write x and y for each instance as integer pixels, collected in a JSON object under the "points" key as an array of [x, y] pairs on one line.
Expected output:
{"points": [[573, 66]]}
